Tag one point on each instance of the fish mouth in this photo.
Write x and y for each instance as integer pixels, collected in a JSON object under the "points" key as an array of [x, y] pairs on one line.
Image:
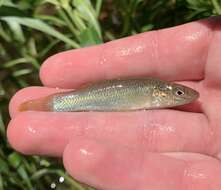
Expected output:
{"points": [[193, 96]]}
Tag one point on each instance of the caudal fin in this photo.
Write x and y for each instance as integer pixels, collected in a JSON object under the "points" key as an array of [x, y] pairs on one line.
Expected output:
{"points": [[41, 104]]}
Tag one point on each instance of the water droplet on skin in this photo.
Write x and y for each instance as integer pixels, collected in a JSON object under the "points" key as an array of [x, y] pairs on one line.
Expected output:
{"points": [[132, 50], [195, 174], [85, 152], [193, 36], [164, 128], [167, 128], [31, 130], [125, 51], [102, 61], [138, 49]]}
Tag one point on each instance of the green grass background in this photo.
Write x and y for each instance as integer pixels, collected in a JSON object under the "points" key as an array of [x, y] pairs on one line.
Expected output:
{"points": [[32, 30]]}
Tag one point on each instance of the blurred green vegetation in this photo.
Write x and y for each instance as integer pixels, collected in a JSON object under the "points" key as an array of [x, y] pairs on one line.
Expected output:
{"points": [[32, 30]]}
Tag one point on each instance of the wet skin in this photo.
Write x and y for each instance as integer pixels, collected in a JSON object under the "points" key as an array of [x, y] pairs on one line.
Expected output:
{"points": [[158, 149]]}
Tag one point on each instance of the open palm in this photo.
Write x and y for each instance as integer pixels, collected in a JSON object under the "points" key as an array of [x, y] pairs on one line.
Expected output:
{"points": [[157, 149]]}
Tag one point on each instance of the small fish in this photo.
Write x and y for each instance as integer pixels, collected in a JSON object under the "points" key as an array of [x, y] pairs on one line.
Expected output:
{"points": [[116, 95]]}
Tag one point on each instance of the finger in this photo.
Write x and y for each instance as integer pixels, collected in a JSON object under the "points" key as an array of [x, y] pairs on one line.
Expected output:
{"points": [[213, 66], [108, 167], [31, 93], [154, 130], [177, 53]]}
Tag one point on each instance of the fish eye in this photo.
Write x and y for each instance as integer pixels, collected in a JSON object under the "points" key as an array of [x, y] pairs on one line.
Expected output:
{"points": [[179, 92]]}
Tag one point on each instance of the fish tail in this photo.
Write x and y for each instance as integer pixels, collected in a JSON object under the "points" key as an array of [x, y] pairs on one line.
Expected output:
{"points": [[41, 104]]}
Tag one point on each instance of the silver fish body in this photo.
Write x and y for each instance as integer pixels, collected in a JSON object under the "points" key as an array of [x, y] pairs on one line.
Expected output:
{"points": [[123, 95]]}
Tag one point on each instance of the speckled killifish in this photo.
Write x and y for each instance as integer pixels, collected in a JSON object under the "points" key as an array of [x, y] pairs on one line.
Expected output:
{"points": [[116, 95]]}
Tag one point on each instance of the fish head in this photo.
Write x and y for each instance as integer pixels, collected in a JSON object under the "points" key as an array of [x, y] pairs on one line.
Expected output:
{"points": [[172, 94], [183, 94]]}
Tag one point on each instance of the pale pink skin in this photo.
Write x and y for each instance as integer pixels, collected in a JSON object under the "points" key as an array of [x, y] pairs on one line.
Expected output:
{"points": [[157, 150]]}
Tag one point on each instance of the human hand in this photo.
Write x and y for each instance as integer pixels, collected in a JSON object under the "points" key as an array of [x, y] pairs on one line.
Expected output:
{"points": [[154, 149]]}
